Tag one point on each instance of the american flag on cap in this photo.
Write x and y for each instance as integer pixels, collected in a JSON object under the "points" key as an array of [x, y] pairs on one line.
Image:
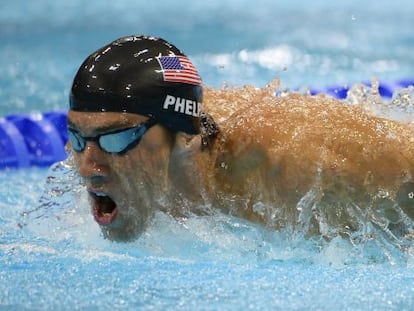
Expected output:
{"points": [[178, 69]]}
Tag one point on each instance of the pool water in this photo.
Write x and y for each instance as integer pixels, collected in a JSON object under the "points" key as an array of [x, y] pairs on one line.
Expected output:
{"points": [[53, 256]]}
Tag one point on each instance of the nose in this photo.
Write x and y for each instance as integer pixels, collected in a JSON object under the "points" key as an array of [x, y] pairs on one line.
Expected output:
{"points": [[92, 162]]}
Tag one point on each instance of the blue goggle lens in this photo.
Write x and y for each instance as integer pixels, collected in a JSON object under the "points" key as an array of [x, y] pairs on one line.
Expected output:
{"points": [[119, 141]]}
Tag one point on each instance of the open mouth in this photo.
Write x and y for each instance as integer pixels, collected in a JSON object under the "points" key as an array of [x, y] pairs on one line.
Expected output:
{"points": [[104, 209]]}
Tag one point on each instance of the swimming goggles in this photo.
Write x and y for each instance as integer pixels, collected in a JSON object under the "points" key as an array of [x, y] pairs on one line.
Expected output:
{"points": [[119, 141]]}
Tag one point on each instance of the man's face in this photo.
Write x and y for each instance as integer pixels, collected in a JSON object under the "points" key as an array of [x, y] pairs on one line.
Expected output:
{"points": [[123, 188]]}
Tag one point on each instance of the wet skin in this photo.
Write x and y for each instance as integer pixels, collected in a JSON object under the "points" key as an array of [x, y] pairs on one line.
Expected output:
{"points": [[276, 152], [282, 151]]}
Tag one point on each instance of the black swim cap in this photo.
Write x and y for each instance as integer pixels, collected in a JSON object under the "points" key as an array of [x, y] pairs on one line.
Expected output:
{"points": [[142, 75]]}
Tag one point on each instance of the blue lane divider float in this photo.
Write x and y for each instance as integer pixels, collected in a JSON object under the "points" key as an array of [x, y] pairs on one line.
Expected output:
{"points": [[385, 89], [40, 139], [32, 139]]}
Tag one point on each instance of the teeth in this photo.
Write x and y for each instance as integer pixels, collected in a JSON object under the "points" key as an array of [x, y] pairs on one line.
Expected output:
{"points": [[100, 194]]}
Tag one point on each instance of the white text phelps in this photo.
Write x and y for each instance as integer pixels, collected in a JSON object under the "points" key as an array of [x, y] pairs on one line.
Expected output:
{"points": [[183, 105]]}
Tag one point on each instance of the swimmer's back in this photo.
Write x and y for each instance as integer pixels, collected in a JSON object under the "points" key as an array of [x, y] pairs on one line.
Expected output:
{"points": [[297, 142]]}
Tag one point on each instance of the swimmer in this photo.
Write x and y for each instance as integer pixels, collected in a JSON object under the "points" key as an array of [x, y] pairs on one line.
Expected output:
{"points": [[144, 138]]}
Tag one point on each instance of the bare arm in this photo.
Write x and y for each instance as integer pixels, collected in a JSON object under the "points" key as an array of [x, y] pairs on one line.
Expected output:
{"points": [[277, 151]]}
